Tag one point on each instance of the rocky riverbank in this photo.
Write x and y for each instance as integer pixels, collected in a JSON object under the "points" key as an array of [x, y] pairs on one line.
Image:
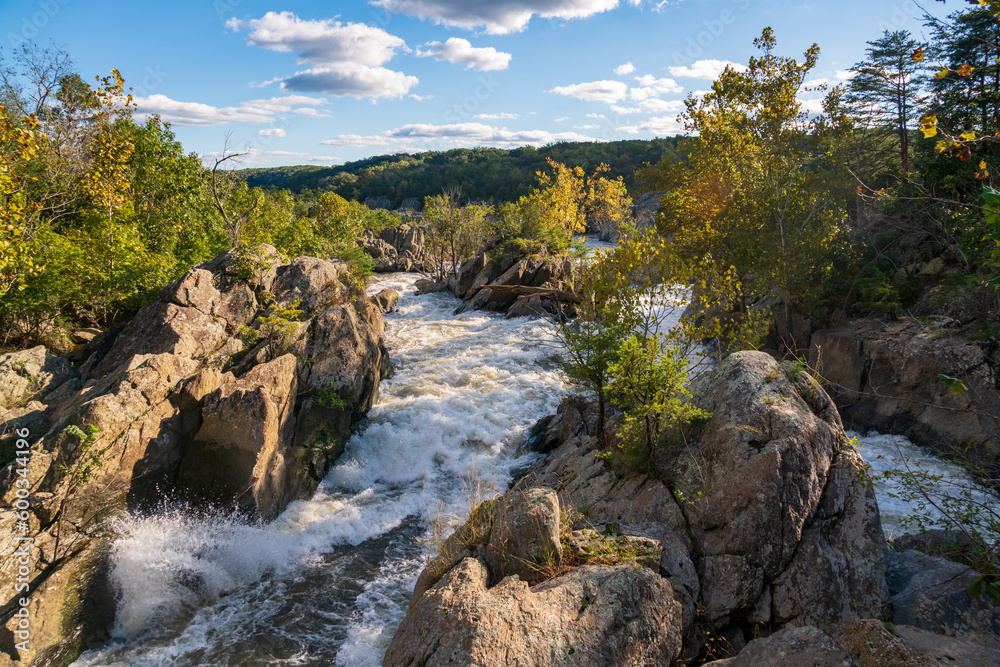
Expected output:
{"points": [[759, 541], [890, 376], [238, 387]]}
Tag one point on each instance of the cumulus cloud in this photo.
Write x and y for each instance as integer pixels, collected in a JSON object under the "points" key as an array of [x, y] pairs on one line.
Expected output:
{"points": [[595, 115], [650, 87], [312, 113], [206, 115], [357, 82], [659, 126], [497, 16], [844, 75], [462, 52], [456, 134], [627, 68], [654, 105], [595, 91], [813, 83], [346, 57], [496, 116], [705, 69], [813, 106], [272, 132]]}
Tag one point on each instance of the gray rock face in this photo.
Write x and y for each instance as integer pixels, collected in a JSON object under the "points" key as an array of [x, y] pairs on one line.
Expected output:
{"points": [[401, 248], [525, 536], [792, 647], [773, 461], [239, 451], [885, 376], [594, 615], [545, 273], [932, 594], [311, 282], [386, 300], [31, 375]]}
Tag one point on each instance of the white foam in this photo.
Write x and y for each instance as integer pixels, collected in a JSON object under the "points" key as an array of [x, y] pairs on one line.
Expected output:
{"points": [[884, 453], [466, 388]]}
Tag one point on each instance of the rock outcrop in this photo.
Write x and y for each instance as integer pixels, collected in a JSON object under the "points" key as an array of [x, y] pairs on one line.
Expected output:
{"points": [[496, 602], [765, 523], [401, 248], [885, 376], [544, 277], [932, 594], [174, 405]]}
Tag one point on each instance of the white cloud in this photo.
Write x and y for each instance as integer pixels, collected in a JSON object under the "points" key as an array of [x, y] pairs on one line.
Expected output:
{"points": [[705, 69], [346, 57], [312, 113], [659, 126], [586, 127], [813, 83], [205, 115], [272, 132], [456, 134], [650, 87], [496, 116], [357, 82], [654, 105], [625, 110], [661, 6], [462, 52], [595, 91], [814, 106], [563, 119], [627, 68], [595, 115], [844, 75], [497, 16], [325, 42]]}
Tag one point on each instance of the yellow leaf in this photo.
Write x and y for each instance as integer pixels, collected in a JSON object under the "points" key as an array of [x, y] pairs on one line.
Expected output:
{"points": [[918, 55], [967, 136]]}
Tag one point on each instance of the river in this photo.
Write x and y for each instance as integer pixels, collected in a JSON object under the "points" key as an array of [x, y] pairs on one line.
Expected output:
{"points": [[327, 582]]}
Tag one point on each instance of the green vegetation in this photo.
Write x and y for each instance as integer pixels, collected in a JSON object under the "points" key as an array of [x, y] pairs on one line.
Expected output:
{"points": [[85, 190], [484, 174]]}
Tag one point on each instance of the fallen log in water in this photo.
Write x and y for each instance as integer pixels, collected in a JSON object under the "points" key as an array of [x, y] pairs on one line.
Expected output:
{"points": [[547, 292]]}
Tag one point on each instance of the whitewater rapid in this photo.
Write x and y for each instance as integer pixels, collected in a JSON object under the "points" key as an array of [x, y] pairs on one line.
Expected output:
{"points": [[328, 582]]}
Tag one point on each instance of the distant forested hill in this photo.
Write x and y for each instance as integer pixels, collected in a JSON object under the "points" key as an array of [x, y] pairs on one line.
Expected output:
{"points": [[482, 173]]}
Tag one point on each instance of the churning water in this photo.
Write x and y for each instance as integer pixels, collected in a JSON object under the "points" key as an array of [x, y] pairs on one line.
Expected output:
{"points": [[328, 582]]}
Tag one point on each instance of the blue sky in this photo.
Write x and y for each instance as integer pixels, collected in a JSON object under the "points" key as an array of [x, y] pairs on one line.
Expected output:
{"points": [[302, 82]]}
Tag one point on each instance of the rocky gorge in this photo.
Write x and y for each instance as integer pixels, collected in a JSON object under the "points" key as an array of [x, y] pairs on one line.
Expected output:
{"points": [[761, 543], [235, 387]]}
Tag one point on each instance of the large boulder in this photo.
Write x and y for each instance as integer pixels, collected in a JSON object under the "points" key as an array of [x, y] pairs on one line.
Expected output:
{"points": [[792, 647], [312, 283], [238, 455], [932, 594], [765, 520], [596, 615]]}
